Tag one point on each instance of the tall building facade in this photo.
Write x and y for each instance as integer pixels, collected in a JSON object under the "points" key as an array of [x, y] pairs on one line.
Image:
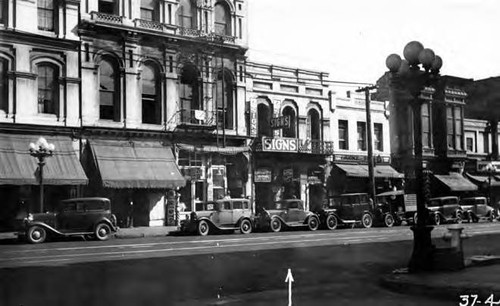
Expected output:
{"points": [[147, 96]]}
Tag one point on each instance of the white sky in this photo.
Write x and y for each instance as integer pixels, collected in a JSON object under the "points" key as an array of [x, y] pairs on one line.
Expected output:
{"points": [[351, 39]]}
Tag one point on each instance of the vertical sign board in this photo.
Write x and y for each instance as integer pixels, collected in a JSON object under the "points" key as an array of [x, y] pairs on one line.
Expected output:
{"points": [[277, 109], [253, 117]]}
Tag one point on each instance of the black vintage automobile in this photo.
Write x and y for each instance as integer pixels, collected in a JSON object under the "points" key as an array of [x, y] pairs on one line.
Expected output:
{"points": [[477, 208], [86, 217], [348, 209], [400, 205], [286, 214], [445, 210]]}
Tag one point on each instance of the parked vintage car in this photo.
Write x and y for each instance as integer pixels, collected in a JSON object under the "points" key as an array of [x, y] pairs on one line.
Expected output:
{"points": [[445, 210], [477, 208], [86, 217], [226, 214], [352, 209], [286, 213], [402, 206]]}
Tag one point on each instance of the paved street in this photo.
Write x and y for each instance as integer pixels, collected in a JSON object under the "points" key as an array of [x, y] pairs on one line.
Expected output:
{"points": [[61, 253], [342, 266]]}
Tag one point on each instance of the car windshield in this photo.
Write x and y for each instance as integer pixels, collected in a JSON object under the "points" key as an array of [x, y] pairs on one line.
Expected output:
{"points": [[287, 204], [206, 206]]}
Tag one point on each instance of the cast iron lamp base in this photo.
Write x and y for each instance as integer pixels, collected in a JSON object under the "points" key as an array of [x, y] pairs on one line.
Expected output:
{"points": [[422, 257]]}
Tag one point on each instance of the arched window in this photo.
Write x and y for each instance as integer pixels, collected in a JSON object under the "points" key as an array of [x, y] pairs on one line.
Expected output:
{"points": [[263, 120], [222, 18], [313, 125], [291, 131], [151, 107], [186, 14], [224, 99], [48, 88], [4, 85], [190, 94], [109, 98], [46, 16]]}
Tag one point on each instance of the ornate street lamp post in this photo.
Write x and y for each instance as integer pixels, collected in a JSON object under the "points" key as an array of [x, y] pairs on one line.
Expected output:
{"points": [[407, 75], [490, 169], [41, 150]]}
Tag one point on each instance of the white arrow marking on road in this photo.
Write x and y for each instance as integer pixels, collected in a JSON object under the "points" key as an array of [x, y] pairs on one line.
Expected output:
{"points": [[289, 279]]}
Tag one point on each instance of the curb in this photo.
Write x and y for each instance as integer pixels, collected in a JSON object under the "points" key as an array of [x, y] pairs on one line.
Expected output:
{"points": [[422, 284]]}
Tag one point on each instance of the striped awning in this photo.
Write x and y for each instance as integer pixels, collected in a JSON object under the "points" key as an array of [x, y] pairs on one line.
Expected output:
{"points": [[456, 182], [18, 167], [136, 164], [381, 171]]}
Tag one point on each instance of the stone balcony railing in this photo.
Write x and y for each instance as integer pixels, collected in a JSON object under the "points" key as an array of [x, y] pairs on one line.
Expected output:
{"points": [[106, 18]]}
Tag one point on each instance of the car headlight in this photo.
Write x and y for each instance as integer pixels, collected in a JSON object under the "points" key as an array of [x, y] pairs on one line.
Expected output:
{"points": [[30, 217]]}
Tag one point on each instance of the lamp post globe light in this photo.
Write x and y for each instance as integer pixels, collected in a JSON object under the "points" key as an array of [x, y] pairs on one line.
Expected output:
{"points": [[419, 68], [41, 150]]}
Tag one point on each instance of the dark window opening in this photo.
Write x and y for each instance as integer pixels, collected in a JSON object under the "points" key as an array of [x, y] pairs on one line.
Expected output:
{"points": [[292, 130], [149, 10], [186, 14], [190, 95], [263, 120], [361, 136], [108, 7], [222, 21], [343, 135], [4, 85], [47, 89], [378, 133], [313, 125], [151, 110], [46, 16], [224, 99], [109, 91]]}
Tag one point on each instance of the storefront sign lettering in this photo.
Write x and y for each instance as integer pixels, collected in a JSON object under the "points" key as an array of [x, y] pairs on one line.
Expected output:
{"points": [[294, 145], [253, 117], [280, 122], [262, 175]]}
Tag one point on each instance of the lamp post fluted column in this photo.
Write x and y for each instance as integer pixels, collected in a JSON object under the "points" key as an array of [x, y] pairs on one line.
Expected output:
{"points": [[408, 77], [41, 150]]}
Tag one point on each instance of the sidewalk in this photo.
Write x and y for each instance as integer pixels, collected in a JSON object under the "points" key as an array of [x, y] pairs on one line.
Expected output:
{"points": [[122, 233], [140, 232], [480, 277]]}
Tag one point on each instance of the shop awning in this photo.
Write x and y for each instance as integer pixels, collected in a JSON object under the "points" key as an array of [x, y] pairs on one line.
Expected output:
{"points": [[380, 171], [456, 182], [483, 180], [136, 164], [18, 167], [230, 150]]}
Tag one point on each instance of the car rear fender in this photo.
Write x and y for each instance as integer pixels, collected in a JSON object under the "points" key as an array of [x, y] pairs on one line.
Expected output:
{"points": [[309, 216], [108, 222], [279, 218], [244, 218]]}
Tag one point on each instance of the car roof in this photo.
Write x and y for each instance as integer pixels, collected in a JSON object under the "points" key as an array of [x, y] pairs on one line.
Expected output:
{"points": [[390, 193], [86, 199], [444, 198]]}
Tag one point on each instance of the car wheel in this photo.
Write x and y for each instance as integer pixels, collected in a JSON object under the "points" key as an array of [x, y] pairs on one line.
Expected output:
{"points": [[313, 223], [36, 234], [275, 224], [367, 220], [331, 222], [437, 219], [388, 220], [245, 227], [492, 216], [102, 231], [203, 228]]}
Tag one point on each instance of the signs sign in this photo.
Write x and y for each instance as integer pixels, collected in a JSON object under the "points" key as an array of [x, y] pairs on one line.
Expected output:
{"points": [[280, 122], [253, 117], [294, 145]]}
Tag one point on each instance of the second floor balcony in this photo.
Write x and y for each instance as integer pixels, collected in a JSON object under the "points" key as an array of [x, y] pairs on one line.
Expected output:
{"points": [[195, 119]]}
